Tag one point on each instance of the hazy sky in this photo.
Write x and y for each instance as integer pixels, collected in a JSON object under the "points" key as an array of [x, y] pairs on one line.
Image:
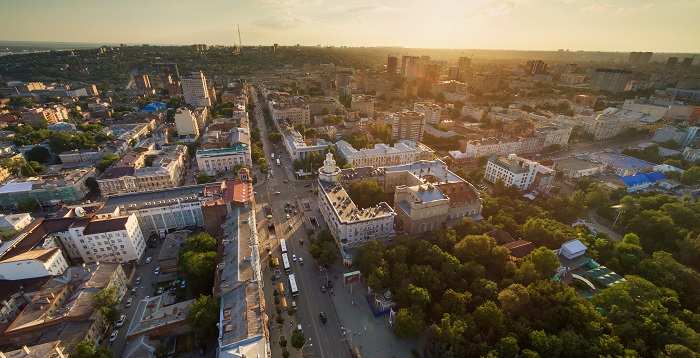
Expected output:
{"points": [[606, 25]]}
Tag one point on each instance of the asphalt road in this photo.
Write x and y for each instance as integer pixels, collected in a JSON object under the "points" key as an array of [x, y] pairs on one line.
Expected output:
{"points": [[323, 340]]}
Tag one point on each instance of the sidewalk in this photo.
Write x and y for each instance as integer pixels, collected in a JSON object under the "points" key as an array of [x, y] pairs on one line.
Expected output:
{"points": [[372, 336]]}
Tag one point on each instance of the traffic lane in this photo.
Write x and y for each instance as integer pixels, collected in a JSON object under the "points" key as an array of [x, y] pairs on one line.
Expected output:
{"points": [[310, 284]]}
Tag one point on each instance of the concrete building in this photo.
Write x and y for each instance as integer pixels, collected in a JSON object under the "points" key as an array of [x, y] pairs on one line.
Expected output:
{"points": [[186, 123], [33, 264], [15, 222], [286, 108], [66, 186], [452, 90], [610, 80], [420, 208], [114, 239], [611, 122], [382, 155], [195, 89], [364, 104], [215, 161], [166, 170], [407, 125], [464, 69], [519, 173], [431, 111], [350, 226], [575, 168]]}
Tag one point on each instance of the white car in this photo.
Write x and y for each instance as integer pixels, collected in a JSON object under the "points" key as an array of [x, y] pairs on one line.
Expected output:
{"points": [[129, 301], [294, 258], [149, 259], [121, 320], [113, 336]]}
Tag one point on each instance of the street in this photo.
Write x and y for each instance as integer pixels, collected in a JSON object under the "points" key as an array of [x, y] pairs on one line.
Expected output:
{"points": [[323, 340]]}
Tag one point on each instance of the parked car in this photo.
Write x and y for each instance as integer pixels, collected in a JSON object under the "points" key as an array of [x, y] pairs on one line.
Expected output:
{"points": [[129, 301], [323, 317], [149, 259], [121, 320], [294, 258], [113, 336], [183, 284], [301, 261]]}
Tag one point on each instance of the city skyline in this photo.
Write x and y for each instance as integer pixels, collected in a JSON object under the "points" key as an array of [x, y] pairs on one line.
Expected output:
{"points": [[594, 25]]}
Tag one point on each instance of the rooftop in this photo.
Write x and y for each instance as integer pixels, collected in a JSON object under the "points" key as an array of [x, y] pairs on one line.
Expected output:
{"points": [[152, 313], [39, 255], [106, 225], [345, 208]]}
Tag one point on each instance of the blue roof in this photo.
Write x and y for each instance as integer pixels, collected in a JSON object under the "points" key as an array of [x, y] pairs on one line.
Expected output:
{"points": [[154, 107], [642, 178]]}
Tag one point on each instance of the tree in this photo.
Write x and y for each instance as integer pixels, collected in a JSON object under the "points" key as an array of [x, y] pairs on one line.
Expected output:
{"points": [[38, 154], [199, 268], [547, 232], [514, 298], [544, 260], [106, 301], [323, 248], [88, 349], [409, 322], [366, 193], [203, 317], [691, 176], [200, 242], [203, 178], [298, 339], [106, 161], [275, 137], [28, 205]]}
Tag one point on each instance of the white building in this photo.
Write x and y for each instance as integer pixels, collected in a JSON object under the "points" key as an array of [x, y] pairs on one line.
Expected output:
{"points": [[431, 111], [350, 225], [15, 222], [186, 123], [520, 173], [33, 264], [114, 239], [195, 89], [403, 152], [406, 125], [219, 160]]}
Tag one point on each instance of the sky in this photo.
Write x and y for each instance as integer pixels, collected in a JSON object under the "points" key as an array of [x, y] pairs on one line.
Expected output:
{"points": [[602, 25]]}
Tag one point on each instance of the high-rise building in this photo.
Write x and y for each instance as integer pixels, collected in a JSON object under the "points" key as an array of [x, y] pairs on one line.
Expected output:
{"points": [[610, 80], [143, 83], [195, 89], [410, 67], [392, 64], [407, 125], [464, 69], [640, 58], [536, 67]]}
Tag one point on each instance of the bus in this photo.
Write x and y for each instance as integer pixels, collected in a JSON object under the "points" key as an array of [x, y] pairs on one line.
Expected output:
{"points": [[293, 286], [283, 246], [285, 263]]}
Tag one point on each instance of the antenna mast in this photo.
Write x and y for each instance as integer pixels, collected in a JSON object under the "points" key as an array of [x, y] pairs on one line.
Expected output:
{"points": [[237, 47]]}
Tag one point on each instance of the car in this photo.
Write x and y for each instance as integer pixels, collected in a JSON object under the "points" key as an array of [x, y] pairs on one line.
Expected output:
{"points": [[121, 320], [301, 261], [288, 217], [323, 317], [149, 259], [299, 327], [133, 290], [157, 270], [147, 297], [183, 284], [294, 304], [160, 291], [129, 301], [294, 258], [323, 288], [285, 181], [113, 336], [277, 193], [138, 280]]}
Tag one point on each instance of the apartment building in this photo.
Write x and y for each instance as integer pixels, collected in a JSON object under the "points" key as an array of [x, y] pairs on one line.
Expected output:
{"points": [[195, 89], [220, 160], [115, 239], [610, 80], [33, 264], [131, 174], [186, 123], [364, 104], [286, 108], [407, 125], [519, 173], [65, 186], [612, 122], [382, 155], [431, 111]]}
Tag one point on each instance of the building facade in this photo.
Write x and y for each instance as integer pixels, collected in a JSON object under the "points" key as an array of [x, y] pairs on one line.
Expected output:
{"points": [[219, 160], [195, 89], [383, 155], [519, 173], [407, 125], [186, 123]]}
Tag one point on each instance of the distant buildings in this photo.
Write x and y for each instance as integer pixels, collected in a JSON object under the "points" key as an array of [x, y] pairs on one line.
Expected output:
{"points": [[195, 89], [364, 104], [610, 80], [464, 68], [286, 108], [520, 173], [382, 155], [536, 67], [431, 111], [640, 58], [186, 123], [392, 64], [612, 122], [407, 125]]}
